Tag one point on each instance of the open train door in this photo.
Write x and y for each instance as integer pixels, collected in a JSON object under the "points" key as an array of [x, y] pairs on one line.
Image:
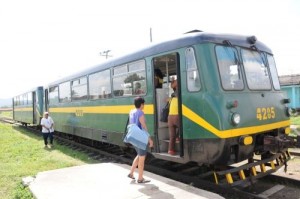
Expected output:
{"points": [[166, 69]]}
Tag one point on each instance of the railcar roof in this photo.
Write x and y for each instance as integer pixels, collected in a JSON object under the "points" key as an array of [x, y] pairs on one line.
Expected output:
{"points": [[176, 43], [31, 90]]}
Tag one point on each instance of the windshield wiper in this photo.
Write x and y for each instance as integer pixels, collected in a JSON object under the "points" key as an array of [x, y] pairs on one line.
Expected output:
{"points": [[236, 60]]}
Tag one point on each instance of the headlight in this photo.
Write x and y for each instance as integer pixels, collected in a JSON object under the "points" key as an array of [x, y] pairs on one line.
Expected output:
{"points": [[235, 118]]}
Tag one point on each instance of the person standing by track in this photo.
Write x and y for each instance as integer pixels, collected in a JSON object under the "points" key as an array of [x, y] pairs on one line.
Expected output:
{"points": [[48, 128]]}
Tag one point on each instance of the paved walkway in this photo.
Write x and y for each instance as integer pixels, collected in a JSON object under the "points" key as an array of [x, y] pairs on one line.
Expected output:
{"points": [[109, 180]]}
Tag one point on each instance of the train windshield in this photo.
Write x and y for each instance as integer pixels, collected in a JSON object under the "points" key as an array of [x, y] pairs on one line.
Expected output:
{"points": [[257, 73], [229, 68]]}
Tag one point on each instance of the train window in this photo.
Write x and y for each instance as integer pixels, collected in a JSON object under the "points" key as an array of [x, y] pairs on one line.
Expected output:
{"points": [[24, 99], [99, 85], [79, 89], [120, 70], [273, 72], [193, 79], [136, 66], [29, 98], [64, 92], [17, 102], [132, 82], [21, 100], [53, 95], [257, 74], [229, 68]]}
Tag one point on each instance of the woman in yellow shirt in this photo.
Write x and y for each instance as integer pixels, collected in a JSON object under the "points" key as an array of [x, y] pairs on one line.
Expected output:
{"points": [[173, 119]]}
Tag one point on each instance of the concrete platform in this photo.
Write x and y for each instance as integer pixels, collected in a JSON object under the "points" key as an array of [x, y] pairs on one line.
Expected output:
{"points": [[109, 180]]}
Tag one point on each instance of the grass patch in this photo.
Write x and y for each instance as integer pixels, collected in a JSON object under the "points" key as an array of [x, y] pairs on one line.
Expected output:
{"points": [[8, 114], [23, 154], [295, 120]]}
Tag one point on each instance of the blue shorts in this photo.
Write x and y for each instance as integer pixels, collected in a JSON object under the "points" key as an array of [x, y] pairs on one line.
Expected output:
{"points": [[140, 152]]}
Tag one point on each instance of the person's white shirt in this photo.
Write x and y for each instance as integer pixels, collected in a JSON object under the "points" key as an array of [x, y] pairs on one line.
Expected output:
{"points": [[47, 122]]}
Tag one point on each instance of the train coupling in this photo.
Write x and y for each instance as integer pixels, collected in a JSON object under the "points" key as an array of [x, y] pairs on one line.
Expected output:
{"points": [[278, 143]]}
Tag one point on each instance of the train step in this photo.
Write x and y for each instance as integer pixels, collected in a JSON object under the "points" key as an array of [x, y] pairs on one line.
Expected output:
{"points": [[168, 157]]}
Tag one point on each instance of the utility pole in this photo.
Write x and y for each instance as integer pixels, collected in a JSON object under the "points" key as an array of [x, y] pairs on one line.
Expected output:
{"points": [[105, 53]]}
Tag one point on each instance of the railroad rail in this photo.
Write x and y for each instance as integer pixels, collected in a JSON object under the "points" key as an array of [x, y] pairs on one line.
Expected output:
{"points": [[271, 186]]}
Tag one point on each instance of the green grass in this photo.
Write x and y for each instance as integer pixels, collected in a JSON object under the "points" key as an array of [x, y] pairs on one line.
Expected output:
{"points": [[23, 154], [8, 114], [295, 120]]}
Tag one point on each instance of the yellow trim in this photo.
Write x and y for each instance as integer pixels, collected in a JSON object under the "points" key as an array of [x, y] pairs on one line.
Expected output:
{"points": [[242, 175], [229, 178], [23, 109], [272, 165], [121, 109], [188, 113], [232, 132], [253, 170], [287, 130], [216, 178], [263, 168], [248, 140]]}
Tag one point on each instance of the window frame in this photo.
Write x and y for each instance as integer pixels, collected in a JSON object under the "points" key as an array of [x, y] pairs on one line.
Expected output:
{"points": [[239, 69], [102, 96], [79, 85], [188, 69], [128, 90], [60, 91]]}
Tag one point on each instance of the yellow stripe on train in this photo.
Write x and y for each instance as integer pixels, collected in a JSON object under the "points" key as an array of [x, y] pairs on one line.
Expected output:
{"points": [[121, 109], [24, 109], [231, 132], [188, 113]]}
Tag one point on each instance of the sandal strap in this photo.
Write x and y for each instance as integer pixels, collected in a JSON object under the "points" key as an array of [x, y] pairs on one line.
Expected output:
{"points": [[143, 181], [130, 176]]}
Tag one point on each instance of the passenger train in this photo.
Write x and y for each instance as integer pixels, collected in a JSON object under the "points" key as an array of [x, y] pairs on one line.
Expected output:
{"points": [[230, 103]]}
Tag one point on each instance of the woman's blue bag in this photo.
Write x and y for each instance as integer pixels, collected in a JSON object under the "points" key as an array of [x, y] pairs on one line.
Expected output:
{"points": [[136, 136]]}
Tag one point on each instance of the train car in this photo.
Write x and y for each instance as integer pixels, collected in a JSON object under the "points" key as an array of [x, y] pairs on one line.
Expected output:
{"points": [[28, 107], [229, 99]]}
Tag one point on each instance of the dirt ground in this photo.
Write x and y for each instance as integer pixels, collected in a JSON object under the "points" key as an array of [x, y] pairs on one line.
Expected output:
{"points": [[293, 169]]}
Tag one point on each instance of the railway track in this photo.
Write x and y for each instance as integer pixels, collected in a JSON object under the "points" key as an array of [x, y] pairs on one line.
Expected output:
{"points": [[271, 186]]}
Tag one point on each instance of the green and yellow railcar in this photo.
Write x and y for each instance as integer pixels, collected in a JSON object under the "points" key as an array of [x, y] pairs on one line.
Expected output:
{"points": [[229, 99], [28, 107]]}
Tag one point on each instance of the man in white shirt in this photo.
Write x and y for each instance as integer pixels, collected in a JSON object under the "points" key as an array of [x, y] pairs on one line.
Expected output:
{"points": [[47, 130]]}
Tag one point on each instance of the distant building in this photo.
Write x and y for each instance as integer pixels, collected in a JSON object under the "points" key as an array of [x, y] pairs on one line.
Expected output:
{"points": [[291, 84]]}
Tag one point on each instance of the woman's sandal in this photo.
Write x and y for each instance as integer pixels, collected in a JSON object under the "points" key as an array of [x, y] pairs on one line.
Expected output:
{"points": [[143, 181], [131, 176]]}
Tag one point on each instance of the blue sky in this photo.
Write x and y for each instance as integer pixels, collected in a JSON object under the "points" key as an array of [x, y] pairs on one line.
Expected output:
{"points": [[41, 41]]}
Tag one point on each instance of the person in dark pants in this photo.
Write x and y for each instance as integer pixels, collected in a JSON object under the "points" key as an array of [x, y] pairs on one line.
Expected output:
{"points": [[48, 128]]}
